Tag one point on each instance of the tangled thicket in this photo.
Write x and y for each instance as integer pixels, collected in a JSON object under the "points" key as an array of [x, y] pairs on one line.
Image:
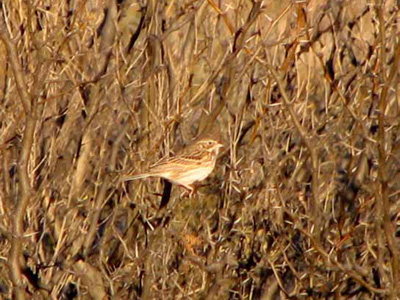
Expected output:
{"points": [[304, 201]]}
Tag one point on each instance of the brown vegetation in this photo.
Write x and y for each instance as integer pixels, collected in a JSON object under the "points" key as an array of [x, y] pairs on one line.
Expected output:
{"points": [[304, 201]]}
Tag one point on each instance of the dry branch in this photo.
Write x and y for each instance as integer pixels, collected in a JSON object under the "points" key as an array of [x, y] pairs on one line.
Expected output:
{"points": [[16, 261]]}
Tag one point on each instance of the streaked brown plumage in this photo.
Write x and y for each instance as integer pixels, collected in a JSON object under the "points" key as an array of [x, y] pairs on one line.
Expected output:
{"points": [[192, 164]]}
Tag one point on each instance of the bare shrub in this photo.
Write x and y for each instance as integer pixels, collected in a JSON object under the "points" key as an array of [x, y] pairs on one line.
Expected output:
{"points": [[304, 202]]}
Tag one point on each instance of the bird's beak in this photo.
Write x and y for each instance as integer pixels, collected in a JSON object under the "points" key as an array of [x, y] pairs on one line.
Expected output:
{"points": [[219, 146]]}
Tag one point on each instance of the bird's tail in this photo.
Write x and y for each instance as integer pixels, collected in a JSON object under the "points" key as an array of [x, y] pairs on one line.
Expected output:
{"points": [[135, 176]]}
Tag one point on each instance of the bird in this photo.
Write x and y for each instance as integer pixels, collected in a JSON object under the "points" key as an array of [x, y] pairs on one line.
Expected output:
{"points": [[192, 164]]}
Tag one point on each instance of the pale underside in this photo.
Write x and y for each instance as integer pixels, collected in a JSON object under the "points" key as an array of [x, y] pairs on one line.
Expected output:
{"points": [[184, 177]]}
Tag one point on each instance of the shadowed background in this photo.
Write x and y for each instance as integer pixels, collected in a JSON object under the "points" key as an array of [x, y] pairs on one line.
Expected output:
{"points": [[304, 201]]}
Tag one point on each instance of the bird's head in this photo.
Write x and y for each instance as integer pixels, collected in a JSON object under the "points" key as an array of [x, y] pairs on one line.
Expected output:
{"points": [[210, 145]]}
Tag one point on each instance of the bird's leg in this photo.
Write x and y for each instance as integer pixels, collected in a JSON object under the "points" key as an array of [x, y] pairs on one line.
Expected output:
{"points": [[193, 190], [190, 190]]}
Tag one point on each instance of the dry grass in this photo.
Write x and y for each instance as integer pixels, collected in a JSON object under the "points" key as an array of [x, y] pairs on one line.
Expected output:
{"points": [[304, 202]]}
